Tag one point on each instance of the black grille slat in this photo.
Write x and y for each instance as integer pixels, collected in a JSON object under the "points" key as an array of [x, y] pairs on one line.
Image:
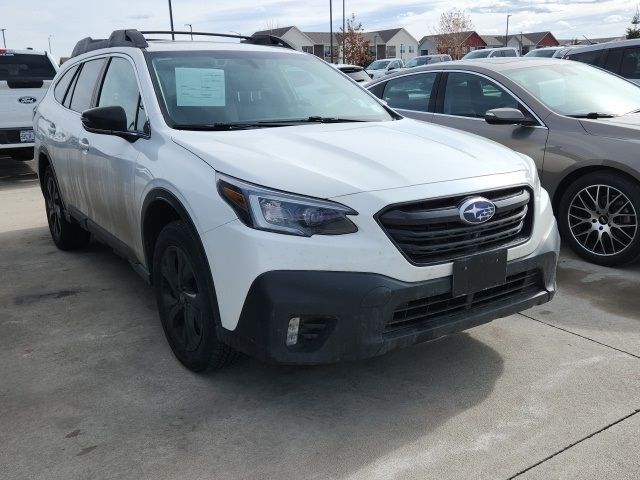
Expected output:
{"points": [[432, 309], [431, 231]]}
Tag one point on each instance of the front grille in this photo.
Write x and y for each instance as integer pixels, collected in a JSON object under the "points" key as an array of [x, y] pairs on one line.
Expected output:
{"points": [[441, 307], [430, 231]]}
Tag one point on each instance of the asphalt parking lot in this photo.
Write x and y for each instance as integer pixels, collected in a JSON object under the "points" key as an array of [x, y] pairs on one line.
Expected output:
{"points": [[90, 389]]}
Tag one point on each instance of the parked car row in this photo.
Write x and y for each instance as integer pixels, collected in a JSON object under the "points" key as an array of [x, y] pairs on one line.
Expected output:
{"points": [[280, 210]]}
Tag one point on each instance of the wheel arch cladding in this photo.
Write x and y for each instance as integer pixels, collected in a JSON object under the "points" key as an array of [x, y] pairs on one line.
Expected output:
{"points": [[160, 208], [43, 163], [581, 172]]}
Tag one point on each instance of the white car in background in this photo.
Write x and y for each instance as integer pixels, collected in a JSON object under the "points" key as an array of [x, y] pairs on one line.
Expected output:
{"points": [[380, 68], [25, 76], [491, 53]]}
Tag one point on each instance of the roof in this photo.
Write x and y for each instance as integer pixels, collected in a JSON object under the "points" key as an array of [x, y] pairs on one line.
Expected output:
{"points": [[322, 38], [492, 40], [386, 35], [599, 46], [278, 32], [435, 38]]}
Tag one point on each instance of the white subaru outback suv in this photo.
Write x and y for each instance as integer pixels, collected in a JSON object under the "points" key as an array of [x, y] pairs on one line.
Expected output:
{"points": [[280, 210], [25, 76]]}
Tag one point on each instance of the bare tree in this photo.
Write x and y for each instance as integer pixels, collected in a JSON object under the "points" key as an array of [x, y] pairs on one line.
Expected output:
{"points": [[451, 32], [356, 45], [272, 25]]}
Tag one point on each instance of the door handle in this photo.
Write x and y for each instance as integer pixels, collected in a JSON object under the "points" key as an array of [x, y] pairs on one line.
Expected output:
{"points": [[52, 128], [84, 144]]}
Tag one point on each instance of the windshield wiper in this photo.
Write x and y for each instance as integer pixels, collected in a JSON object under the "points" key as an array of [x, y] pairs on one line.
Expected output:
{"points": [[593, 115], [222, 126]]}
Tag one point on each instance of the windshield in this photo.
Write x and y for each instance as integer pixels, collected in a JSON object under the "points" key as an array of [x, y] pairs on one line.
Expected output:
{"points": [[379, 65], [477, 54], [21, 66], [542, 52], [205, 88], [575, 89], [417, 62]]}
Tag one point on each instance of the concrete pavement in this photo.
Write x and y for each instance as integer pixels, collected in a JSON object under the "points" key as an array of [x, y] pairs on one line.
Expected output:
{"points": [[90, 389]]}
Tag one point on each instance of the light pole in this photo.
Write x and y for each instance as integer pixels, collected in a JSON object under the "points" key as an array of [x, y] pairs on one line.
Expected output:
{"points": [[173, 37], [190, 29], [375, 43], [4, 41], [50, 44], [344, 26], [506, 36], [331, 28]]}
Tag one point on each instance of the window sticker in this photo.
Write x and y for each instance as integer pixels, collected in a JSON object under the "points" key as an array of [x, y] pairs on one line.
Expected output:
{"points": [[200, 87]]}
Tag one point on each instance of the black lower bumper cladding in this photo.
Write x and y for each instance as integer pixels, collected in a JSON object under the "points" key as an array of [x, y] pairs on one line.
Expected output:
{"points": [[350, 316]]}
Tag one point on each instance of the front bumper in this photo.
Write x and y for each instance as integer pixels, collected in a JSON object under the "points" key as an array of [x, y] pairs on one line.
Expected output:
{"points": [[346, 315]]}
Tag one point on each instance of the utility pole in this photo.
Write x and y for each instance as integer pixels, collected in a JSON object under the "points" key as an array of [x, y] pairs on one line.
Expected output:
{"points": [[344, 31], [4, 41], [506, 36], [173, 37], [50, 45], [331, 27], [190, 29]]}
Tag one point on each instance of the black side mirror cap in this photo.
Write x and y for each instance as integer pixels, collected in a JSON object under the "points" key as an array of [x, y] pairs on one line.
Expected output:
{"points": [[505, 116], [109, 121]]}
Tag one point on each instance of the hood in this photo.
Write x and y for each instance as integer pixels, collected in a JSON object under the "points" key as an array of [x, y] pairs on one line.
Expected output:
{"points": [[330, 160], [624, 126]]}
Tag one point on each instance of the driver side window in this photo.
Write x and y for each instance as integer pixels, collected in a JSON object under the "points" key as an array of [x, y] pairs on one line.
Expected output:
{"points": [[120, 88], [468, 95]]}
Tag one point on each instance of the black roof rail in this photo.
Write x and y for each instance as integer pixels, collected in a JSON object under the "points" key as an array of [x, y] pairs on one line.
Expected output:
{"points": [[119, 38], [269, 40], [134, 38]]}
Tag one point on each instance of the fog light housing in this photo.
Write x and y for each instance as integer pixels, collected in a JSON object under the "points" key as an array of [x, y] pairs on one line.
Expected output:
{"points": [[292, 331]]}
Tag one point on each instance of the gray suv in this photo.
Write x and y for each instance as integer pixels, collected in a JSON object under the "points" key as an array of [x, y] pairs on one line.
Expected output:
{"points": [[580, 124]]}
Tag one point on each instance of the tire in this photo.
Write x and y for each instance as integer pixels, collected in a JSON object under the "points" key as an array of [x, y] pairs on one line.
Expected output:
{"points": [[607, 232], [186, 300], [65, 234]]}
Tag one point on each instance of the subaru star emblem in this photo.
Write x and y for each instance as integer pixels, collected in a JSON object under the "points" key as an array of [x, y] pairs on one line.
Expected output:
{"points": [[27, 100], [477, 210]]}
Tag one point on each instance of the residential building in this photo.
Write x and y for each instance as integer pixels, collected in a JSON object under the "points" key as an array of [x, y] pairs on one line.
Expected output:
{"points": [[523, 42], [393, 43], [465, 42]]}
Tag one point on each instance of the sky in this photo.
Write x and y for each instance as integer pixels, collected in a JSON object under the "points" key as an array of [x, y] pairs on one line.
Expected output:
{"points": [[29, 23]]}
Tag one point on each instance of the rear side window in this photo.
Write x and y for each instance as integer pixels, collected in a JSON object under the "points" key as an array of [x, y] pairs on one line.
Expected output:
{"points": [[591, 58], [412, 92], [63, 84], [509, 53], [86, 84], [21, 66], [631, 63]]}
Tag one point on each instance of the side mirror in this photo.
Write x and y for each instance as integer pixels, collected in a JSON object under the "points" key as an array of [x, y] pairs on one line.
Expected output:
{"points": [[108, 121], [505, 116]]}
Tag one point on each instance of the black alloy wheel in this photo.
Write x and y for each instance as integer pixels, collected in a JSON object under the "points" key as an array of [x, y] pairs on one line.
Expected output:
{"points": [[67, 235], [186, 300], [598, 216]]}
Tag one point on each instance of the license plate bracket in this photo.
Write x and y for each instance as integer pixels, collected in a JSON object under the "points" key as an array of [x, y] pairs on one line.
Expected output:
{"points": [[27, 136], [479, 272]]}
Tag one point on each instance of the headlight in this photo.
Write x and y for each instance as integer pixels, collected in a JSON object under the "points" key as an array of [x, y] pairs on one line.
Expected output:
{"points": [[280, 212]]}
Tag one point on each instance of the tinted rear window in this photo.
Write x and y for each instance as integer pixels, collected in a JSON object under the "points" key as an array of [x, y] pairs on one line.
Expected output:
{"points": [[20, 66]]}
